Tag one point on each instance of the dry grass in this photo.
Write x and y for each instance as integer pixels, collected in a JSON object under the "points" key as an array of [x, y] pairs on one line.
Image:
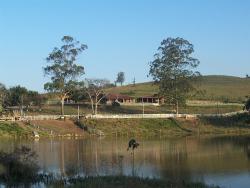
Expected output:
{"points": [[58, 127]]}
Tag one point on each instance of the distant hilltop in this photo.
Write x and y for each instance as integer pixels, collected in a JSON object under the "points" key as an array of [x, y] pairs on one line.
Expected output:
{"points": [[214, 87]]}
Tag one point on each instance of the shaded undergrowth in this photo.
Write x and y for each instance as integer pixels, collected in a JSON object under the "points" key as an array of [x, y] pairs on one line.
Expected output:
{"points": [[19, 167], [241, 120]]}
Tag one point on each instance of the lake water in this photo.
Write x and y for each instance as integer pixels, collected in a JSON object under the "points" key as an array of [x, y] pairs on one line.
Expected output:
{"points": [[223, 161]]}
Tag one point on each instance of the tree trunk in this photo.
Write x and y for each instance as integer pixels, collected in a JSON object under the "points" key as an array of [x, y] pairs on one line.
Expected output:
{"points": [[92, 103], [96, 104], [177, 107], [78, 112], [62, 106], [93, 109], [176, 100], [92, 106]]}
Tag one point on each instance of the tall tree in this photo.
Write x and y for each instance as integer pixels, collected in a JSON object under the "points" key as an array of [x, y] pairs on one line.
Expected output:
{"points": [[95, 91], [3, 95], [78, 92], [17, 97], [34, 98], [173, 69], [63, 70], [120, 78]]}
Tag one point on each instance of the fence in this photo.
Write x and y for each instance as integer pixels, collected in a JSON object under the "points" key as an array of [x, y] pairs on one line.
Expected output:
{"points": [[137, 116], [114, 116], [46, 117]]}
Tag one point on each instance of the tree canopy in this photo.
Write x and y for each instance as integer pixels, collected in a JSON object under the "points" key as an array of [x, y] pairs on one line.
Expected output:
{"points": [[3, 95], [63, 70], [120, 78], [95, 91], [17, 95], [173, 69]]}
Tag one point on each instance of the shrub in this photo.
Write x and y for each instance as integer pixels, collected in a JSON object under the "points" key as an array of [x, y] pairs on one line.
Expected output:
{"points": [[19, 166], [115, 104], [247, 105]]}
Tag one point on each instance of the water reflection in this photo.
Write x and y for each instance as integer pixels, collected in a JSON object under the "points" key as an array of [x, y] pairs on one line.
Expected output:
{"points": [[208, 159]]}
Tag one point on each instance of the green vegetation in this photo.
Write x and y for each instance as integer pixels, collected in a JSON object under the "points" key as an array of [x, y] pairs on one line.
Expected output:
{"points": [[212, 125], [96, 92], [225, 89], [120, 78], [174, 70], [205, 125], [63, 70], [12, 129], [105, 109], [247, 105], [127, 182], [238, 120], [217, 88], [131, 127], [19, 167], [19, 97]]}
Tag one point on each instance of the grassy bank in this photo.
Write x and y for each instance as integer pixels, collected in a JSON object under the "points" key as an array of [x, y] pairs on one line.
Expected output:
{"points": [[132, 127], [46, 128], [237, 124], [218, 125], [127, 182], [13, 130]]}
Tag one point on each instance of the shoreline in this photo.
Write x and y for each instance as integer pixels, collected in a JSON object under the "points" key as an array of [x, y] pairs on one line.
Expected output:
{"points": [[238, 124]]}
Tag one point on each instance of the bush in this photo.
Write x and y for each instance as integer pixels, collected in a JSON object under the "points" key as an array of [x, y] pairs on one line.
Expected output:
{"points": [[19, 166], [115, 104], [1, 108], [247, 105]]}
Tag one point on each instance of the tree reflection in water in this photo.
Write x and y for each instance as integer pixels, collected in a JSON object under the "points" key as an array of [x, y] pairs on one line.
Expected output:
{"points": [[176, 159]]}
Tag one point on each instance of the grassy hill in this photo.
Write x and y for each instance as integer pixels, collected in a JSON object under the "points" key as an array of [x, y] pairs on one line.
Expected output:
{"points": [[216, 87]]}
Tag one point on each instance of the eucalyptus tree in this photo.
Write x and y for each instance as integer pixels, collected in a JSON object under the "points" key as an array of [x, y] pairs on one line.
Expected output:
{"points": [[173, 68], [96, 92], [63, 70]]}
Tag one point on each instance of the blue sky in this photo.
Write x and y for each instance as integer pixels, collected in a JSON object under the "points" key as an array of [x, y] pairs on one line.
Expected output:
{"points": [[121, 35]]}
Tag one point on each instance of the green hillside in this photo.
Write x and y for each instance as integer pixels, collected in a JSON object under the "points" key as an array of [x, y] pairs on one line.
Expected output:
{"points": [[216, 87]]}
